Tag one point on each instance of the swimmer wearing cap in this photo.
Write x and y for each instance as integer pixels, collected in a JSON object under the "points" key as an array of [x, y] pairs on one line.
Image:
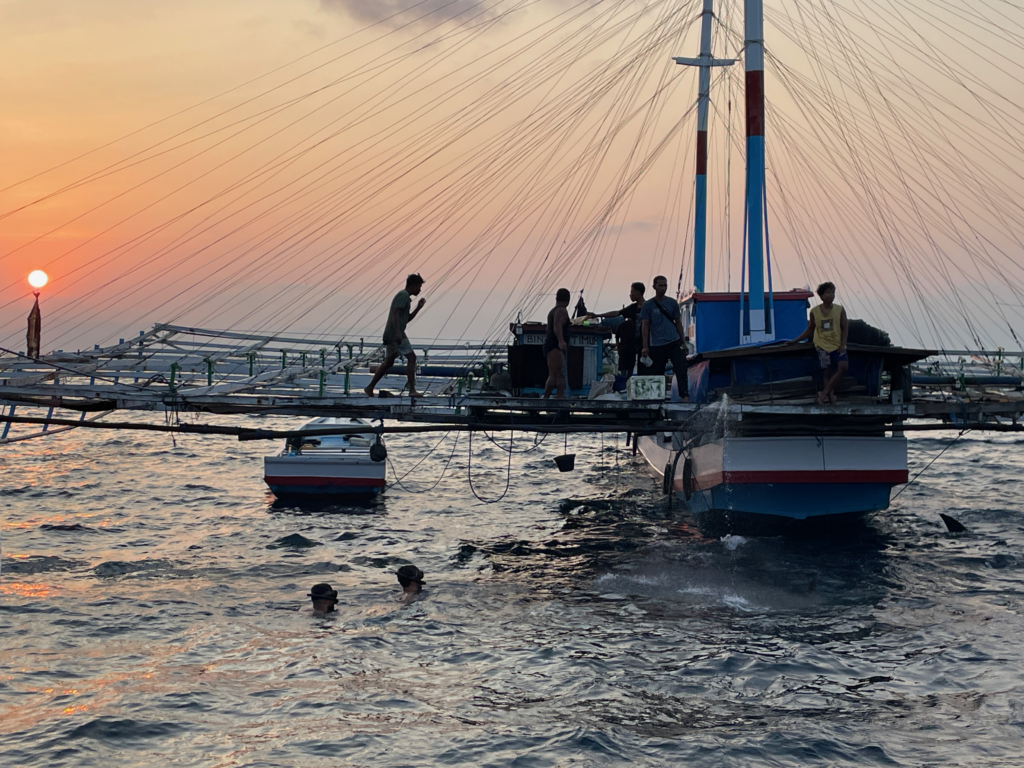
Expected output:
{"points": [[324, 599]]}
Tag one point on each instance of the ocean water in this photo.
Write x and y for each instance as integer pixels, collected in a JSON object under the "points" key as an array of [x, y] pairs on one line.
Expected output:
{"points": [[153, 611]]}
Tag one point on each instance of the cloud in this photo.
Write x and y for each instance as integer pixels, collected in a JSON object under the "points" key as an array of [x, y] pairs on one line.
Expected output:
{"points": [[635, 225], [398, 12]]}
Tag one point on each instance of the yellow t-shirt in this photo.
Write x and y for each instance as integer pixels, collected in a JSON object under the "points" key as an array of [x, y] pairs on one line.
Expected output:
{"points": [[827, 333]]}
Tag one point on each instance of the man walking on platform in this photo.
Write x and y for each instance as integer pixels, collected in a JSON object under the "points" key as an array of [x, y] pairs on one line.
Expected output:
{"points": [[663, 333], [395, 340]]}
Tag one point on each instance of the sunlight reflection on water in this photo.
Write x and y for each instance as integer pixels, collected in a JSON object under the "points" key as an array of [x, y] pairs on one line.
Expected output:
{"points": [[154, 611]]}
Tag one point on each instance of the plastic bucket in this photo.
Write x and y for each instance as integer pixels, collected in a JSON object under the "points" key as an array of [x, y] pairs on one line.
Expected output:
{"points": [[566, 462]]}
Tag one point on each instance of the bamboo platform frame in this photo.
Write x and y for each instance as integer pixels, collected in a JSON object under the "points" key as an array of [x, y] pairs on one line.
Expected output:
{"points": [[200, 371]]}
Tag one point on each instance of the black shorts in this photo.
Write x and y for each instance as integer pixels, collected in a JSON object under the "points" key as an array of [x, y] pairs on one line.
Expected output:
{"points": [[660, 356], [627, 359], [550, 346]]}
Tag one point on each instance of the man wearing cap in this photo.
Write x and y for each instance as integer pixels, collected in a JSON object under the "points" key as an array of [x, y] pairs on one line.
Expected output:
{"points": [[324, 599], [395, 340]]}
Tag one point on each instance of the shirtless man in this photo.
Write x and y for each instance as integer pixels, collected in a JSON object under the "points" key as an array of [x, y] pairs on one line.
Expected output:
{"points": [[395, 340], [411, 580], [556, 345]]}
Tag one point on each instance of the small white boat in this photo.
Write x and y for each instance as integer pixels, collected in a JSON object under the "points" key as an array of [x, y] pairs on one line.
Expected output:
{"points": [[326, 465]]}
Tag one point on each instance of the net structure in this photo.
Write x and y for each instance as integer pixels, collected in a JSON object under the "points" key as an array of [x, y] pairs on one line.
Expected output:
{"points": [[526, 146], [177, 368]]}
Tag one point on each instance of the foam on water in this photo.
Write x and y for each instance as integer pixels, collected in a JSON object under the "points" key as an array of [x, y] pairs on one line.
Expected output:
{"points": [[732, 541]]}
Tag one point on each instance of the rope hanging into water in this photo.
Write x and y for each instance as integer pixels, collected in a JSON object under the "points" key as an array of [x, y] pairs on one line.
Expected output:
{"points": [[399, 480], [929, 464], [508, 471]]}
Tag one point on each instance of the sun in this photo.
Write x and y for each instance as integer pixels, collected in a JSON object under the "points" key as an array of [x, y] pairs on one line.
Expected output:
{"points": [[37, 278]]}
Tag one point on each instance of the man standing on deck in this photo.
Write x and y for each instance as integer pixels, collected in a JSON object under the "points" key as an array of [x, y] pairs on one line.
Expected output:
{"points": [[830, 328], [395, 340], [629, 332], [662, 328]]}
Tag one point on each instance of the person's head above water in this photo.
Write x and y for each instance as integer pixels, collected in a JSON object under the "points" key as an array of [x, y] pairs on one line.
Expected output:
{"points": [[324, 598], [411, 578]]}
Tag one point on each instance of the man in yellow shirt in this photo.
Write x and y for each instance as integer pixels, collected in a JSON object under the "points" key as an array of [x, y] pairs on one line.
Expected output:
{"points": [[829, 327]]}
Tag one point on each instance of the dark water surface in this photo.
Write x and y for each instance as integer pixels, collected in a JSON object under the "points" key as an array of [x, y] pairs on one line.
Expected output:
{"points": [[153, 612]]}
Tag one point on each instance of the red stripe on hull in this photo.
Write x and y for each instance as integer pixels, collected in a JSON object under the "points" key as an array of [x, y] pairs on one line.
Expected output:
{"points": [[362, 482], [702, 153], [890, 476], [755, 102]]}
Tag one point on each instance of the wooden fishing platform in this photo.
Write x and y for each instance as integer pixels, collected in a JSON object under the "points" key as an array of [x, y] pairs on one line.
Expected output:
{"points": [[197, 371]]}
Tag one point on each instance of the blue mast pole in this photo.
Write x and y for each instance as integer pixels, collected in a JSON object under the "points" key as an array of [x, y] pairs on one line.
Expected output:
{"points": [[704, 62]]}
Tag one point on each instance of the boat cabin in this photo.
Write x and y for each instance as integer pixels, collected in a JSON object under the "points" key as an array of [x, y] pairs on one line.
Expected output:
{"points": [[712, 320], [529, 369], [771, 371]]}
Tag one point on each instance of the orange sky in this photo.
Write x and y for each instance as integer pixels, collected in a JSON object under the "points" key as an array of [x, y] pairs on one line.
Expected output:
{"points": [[84, 74]]}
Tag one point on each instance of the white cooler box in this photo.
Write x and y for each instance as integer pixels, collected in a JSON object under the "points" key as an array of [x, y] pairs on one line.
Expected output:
{"points": [[645, 388]]}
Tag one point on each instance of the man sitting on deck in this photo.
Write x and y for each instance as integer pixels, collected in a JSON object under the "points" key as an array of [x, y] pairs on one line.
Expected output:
{"points": [[830, 328], [395, 340]]}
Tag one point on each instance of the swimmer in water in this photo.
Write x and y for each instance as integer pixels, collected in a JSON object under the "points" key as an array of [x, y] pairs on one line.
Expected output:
{"points": [[411, 579], [324, 599]]}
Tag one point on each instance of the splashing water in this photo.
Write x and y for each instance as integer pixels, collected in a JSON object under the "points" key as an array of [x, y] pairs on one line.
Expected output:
{"points": [[732, 541]]}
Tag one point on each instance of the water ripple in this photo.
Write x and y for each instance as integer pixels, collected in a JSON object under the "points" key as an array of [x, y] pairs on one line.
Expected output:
{"points": [[153, 610]]}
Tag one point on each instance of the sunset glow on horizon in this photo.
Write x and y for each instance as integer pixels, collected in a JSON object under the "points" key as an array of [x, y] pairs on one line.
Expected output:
{"points": [[255, 166]]}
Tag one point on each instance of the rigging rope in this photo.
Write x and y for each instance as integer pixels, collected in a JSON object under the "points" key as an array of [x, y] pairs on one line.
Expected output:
{"points": [[894, 163], [929, 464]]}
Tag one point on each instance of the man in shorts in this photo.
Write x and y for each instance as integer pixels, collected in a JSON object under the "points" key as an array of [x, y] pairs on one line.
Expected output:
{"points": [[395, 341], [830, 328]]}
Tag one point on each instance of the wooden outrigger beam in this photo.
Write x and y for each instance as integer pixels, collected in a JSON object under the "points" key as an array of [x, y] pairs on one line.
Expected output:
{"points": [[246, 434]]}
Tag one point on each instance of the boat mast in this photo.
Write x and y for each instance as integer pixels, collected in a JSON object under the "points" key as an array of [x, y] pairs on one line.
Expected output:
{"points": [[705, 62], [755, 326]]}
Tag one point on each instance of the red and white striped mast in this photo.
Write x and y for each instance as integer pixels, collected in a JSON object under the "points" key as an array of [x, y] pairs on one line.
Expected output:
{"points": [[755, 320]]}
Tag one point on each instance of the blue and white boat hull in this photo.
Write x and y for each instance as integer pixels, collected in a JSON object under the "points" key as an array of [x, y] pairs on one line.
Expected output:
{"points": [[756, 482]]}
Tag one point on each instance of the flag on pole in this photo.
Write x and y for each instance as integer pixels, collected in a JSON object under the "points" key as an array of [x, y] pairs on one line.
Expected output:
{"points": [[35, 322], [581, 308]]}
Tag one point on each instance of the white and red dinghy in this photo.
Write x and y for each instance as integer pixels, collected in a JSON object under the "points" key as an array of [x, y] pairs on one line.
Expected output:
{"points": [[326, 465]]}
